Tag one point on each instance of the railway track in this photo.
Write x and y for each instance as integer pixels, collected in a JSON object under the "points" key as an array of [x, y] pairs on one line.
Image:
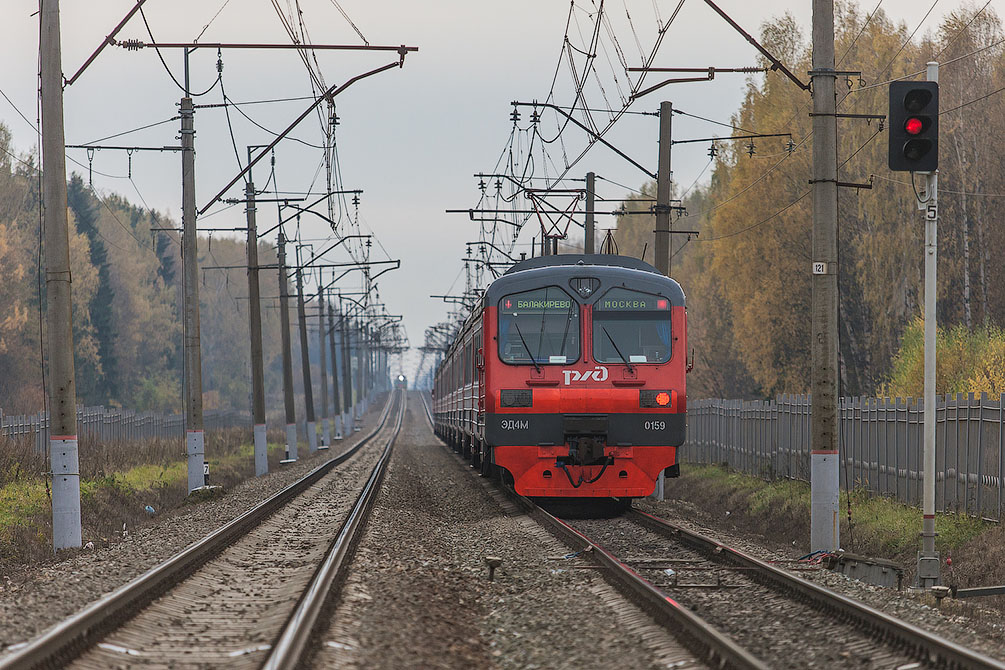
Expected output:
{"points": [[780, 618], [246, 595], [733, 610]]}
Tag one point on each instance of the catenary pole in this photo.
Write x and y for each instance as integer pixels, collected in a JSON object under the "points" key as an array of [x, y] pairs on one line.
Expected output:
{"points": [[359, 381], [589, 238], [284, 318], [824, 523], [663, 177], [928, 560], [194, 436], [662, 246], [255, 325], [345, 338], [325, 427], [305, 362], [59, 308], [336, 401]]}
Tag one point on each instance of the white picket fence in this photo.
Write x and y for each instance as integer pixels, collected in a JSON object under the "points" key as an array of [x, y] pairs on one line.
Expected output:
{"points": [[880, 445]]}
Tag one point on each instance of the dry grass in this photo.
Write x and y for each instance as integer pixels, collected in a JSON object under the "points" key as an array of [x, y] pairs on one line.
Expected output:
{"points": [[779, 511], [118, 480]]}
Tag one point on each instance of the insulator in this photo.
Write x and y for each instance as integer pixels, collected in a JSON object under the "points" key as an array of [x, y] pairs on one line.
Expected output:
{"points": [[481, 185], [751, 150], [791, 146], [712, 151], [133, 45], [514, 115]]}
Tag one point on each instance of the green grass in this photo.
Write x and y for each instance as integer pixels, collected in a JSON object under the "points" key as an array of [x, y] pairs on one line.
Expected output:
{"points": [[20, 501], [23, 500]]}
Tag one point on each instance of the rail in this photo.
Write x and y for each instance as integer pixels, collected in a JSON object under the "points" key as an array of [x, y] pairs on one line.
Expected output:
{"points": [[704, 640], [288, 651], [939, 651], [80, 631]]}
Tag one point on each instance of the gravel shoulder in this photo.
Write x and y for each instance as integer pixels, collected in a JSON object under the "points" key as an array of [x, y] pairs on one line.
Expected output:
{"points": [[418, 593], [967, 624], [34, 601]]}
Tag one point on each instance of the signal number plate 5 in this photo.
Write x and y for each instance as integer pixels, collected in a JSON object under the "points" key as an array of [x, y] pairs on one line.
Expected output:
{"points": [[655, 425]]}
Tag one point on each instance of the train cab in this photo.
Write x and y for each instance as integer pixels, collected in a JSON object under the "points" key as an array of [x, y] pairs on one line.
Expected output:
{"points": [[578, 382]]}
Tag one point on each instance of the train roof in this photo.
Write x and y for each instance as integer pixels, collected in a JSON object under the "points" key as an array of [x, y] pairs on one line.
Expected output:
{"points": [[611, 270], [612, 260]]}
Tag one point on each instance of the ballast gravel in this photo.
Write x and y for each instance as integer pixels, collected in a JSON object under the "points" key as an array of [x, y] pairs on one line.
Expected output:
{"points": [[763, 620], [34, 601], [229, 611], [418, 594], [977, 629]]}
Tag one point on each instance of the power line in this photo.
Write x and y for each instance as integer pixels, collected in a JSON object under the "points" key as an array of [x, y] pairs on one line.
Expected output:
{"points": [[718, 123], [758, 224], [206, 27], [908, 40], [967, 104], [962, 30], [133, 130], [33, 127]]}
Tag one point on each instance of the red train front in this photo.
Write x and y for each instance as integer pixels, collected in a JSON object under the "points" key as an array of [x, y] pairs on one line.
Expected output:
{"points": [[570, 378]]}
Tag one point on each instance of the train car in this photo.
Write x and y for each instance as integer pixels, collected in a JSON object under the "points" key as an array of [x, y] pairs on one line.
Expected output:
{"points": [[568, 379], [400, 382]]}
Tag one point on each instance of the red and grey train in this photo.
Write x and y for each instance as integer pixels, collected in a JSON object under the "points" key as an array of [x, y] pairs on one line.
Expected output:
{"points": [[568, 379]]}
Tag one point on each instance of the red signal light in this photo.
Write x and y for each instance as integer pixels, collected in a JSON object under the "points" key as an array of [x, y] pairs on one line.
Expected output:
{"points": [[661, 304], [913, 125], [509, 304], [662, 398]]}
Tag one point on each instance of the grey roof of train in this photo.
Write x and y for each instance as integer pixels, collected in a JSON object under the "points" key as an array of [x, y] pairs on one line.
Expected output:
{"points": [[629, 272], [585, 259]]}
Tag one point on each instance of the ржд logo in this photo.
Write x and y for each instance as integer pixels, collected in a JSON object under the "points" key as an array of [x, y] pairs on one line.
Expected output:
{"points": [[597, 374]]}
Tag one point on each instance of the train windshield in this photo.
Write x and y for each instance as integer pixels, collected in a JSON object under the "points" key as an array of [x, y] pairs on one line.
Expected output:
{"points": [[631, 327], [539, 326]]}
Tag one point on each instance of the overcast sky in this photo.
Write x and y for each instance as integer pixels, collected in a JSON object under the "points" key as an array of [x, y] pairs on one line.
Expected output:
{"points": [[411, 138]]}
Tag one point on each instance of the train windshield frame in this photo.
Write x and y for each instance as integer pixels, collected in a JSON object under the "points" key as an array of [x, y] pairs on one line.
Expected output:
{"points": [[540, 326], [632, 327]]}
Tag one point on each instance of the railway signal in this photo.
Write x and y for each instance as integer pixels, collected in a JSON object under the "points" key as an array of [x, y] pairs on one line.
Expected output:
{"points": [[914, 126]]}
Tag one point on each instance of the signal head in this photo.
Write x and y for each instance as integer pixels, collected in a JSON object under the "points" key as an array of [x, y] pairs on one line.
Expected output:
{"points": [[914, 126]]}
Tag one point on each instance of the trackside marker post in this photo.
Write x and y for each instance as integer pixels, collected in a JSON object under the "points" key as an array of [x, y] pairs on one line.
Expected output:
{"points": [[928, 557]]}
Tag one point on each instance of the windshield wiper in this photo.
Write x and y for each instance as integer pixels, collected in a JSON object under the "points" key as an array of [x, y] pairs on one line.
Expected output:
{"points": [[630, 368], [568, 322], [532, 359]]}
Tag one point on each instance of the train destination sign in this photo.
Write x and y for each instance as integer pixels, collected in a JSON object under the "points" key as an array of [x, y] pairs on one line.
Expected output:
{"points": [[629, 301], [535, 304]]}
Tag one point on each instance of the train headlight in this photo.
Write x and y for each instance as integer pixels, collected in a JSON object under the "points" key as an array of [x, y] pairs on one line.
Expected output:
{"points": [[656, 398]]}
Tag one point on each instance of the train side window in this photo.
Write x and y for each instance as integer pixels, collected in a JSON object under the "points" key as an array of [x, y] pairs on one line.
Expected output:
{"points": [[539, 326], [467, 362], [631, 326]]}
